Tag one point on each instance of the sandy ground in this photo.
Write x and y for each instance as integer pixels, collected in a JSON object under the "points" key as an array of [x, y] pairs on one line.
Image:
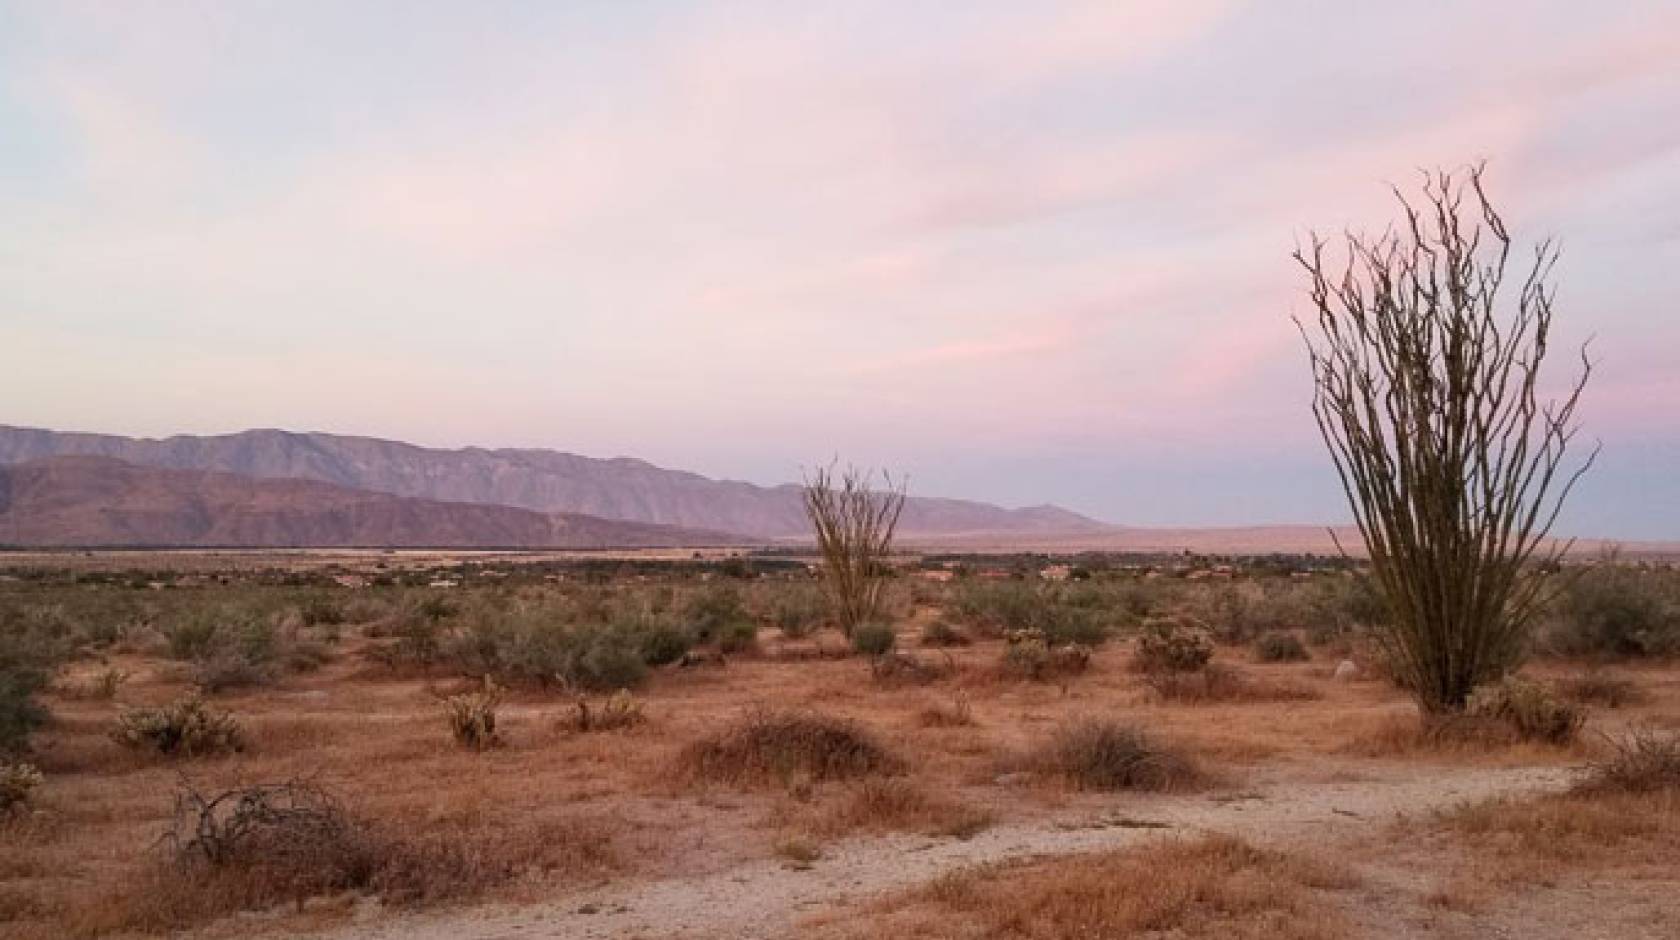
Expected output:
{"points": [[770, 898]]}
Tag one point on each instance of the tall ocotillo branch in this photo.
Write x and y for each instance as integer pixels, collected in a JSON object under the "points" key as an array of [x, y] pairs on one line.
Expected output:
{"points": [[854, 524]]}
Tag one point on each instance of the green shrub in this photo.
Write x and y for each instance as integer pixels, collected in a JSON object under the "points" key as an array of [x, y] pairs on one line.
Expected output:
{"points": [[1280, 648], [1616, 611], [798, 610], [873, 639], [1529, 708], [186, 728], [607, 662], [663, 644], [712, 610], [737, 637], [31, 648], [1171, 645]]}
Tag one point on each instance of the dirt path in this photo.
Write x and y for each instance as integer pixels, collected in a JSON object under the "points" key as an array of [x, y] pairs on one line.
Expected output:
{"points": [[764, 899]]}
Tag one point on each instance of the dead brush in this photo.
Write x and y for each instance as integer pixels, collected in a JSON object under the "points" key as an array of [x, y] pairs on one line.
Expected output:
{"points": [[622, 710], [18, 782], [897, 669], [289, 840], [784, 745], [1102, 754], [472, 717], [184, 728], [895, 804], [1528, 708], [1602, 688], [1215, 683], [1643, 761]]}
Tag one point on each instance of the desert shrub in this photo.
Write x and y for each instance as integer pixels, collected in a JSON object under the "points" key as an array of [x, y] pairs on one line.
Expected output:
{"points": [[767, 744], [1169, 644], [714, 609], [17, 783], [662, 644], [102, 685], [184, 728], [942, 633], [322, 610], [1065, 624], [1028, 655], [1615, 611], [1279, 647], [853, 522], [1598, 687], [896, 803], [294, 838], [1644, 761], [797, 610], [737, 636], [998, 605], [1528, 708], [1100, 754], [607, 661], [621, 710], [873, 639], [472, 717], [30, 650]]}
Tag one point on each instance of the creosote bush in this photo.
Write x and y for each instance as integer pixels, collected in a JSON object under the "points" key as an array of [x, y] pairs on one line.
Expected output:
{"points": [[1528, 708], [873, 639], [771, 745], [1101, 754], [184, 728], [1616, 611]]}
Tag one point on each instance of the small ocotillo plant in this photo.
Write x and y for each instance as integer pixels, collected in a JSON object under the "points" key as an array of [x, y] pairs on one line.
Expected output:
{"points": [[1427, 392], [854, 524]]}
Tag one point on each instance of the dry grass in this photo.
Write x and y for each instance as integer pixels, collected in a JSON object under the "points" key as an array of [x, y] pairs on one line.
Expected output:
{"points": [[1606, 689], [891, 804], [767, 745], [1217, 887], [1218, 683]]}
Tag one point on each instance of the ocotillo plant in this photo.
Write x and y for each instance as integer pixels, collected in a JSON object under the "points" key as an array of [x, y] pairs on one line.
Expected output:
{"points": [[1426, 379], [854, 524]]}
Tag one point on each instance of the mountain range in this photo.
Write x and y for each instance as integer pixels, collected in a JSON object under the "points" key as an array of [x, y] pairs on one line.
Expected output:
{"points": [[222, 492]]}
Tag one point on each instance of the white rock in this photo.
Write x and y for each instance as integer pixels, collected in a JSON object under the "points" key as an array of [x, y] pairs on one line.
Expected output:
{"points": [[1346, 671]]}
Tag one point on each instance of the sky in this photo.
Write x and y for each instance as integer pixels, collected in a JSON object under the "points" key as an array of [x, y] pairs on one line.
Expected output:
{"points": [[1025, 253]]}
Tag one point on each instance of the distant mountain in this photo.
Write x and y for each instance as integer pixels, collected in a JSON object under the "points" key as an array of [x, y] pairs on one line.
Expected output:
{"points": [[100, 501], [542, 480]]}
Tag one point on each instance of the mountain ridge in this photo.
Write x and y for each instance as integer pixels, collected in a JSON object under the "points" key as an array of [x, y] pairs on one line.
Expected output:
{"points": [[620, 488], [89, 501]]}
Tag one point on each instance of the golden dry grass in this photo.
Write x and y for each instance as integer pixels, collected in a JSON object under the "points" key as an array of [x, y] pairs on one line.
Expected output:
{"points": [[1215, 887]]}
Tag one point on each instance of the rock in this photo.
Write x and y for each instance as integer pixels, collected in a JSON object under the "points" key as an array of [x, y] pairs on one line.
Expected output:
{"points": [[1346, 671]]}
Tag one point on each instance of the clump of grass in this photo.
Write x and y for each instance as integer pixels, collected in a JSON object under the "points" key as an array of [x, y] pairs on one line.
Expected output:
{"points": [[1102, 754], [1599, 687], [1280, 647], [873, 639], [1169, 644], [1645, 761], [472, 717], [1217, 886], [1528, 708], [895, 804], [622, 710], [942, 633], [959, 714], [184, 728], [765, 745], [18, 782]]}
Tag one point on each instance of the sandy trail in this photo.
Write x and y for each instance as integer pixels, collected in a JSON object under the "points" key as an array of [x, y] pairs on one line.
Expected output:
{"points": [[765, 899]]}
